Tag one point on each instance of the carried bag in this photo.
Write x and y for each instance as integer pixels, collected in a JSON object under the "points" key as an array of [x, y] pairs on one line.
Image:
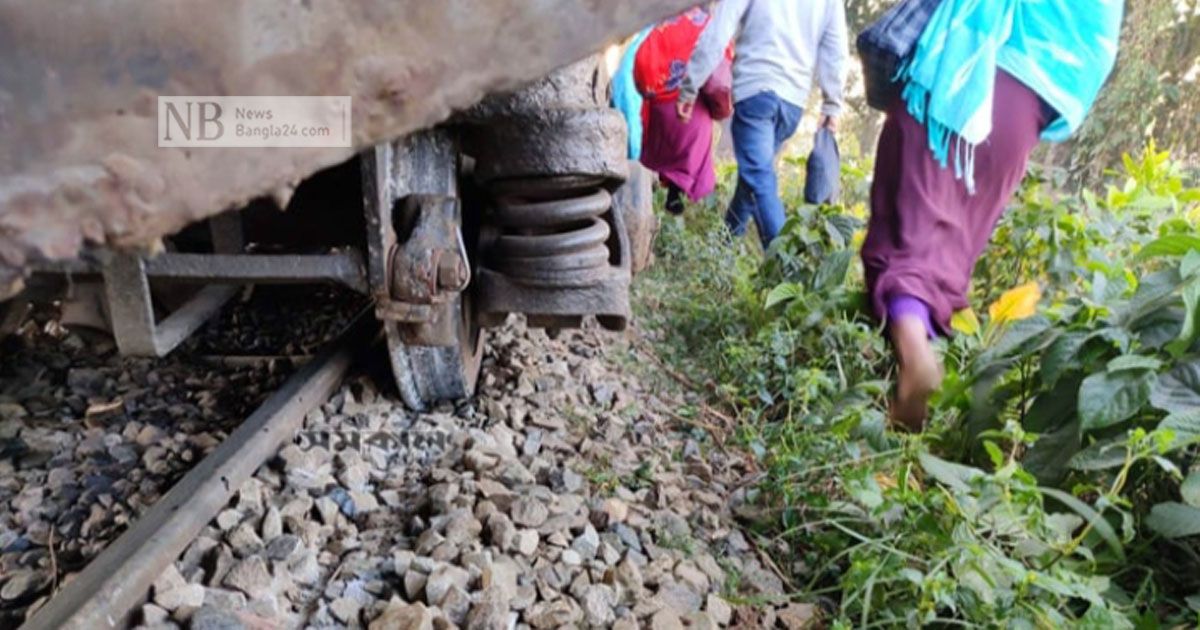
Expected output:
{"points": [[662, 57], [717, 92], [885, 45], [822, 182]]}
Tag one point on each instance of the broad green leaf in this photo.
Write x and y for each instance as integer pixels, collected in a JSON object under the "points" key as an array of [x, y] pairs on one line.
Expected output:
{"points": [[785, 292], [1171, 245], [836, 238], [1159, 328], [1133, 362], [1118, 338], [1156, 286], [1174, 520], [1190, 489], [1179, 389], [955, 476], [1054, 408], [1047, 458], [844, 225], [1153, 203], [1103, 455], [873, 429], [1065, 525], [1155, 292], [832, 272], [994, 453], [1191, 320], [1190, 266], [1093, 518], [912, 575], [1101, 614], [1099, 287], [1021, 338], [1107, 399], [1185, 424], [865, 491], [1060, 356], [1167, 465]]}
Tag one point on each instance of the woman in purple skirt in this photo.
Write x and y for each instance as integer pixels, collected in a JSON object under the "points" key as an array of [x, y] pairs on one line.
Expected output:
{"points": [[679, 150], [987, 81]]}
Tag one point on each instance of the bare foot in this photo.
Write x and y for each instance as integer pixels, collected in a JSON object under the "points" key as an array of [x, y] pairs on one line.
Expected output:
{"points": [[920, 374]]}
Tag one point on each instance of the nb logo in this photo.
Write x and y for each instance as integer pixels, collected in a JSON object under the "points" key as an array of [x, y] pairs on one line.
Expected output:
{"points": [[199, 120]]}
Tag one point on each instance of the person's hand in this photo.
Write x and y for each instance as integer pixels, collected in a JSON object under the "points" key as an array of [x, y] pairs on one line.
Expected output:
{"points": [[830, 123], [684, 109]]}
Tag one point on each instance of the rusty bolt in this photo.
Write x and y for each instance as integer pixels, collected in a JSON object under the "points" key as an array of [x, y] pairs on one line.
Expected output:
{"points": [[452, 272]]}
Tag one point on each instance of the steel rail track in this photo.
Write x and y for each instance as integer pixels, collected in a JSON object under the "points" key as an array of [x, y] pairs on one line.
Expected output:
{"points": [[116, 581]]}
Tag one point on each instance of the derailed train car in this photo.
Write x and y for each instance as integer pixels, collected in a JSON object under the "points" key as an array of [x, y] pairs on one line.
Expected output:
{"points": [[472, 189]]}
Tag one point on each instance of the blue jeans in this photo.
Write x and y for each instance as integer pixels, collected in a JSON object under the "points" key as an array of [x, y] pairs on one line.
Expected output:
{"points": [[761, 124]]}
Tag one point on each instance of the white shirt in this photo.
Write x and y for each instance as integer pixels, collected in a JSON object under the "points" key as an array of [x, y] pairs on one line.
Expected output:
{"points": [[780, 45]]}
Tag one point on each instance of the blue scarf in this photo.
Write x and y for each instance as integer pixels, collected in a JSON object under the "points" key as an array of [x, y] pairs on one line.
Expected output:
{"points": [[1061, 50], [625, 96]]}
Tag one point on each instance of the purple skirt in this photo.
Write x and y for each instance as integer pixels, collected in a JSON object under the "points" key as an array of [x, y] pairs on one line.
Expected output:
{"points": [[926, 232], [680, 152]]}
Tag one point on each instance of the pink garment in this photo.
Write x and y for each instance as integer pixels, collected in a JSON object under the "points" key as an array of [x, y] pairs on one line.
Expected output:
{"points": [[926, 231], [680, 152]]}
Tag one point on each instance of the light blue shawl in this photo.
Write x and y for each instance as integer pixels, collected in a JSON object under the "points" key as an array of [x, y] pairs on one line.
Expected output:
{"points": [[625, 96], [1062, 49]]}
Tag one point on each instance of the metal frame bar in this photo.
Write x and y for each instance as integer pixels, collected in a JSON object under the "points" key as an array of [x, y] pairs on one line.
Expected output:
{"points": [[131, 309], [343, 268], [131, 306]]}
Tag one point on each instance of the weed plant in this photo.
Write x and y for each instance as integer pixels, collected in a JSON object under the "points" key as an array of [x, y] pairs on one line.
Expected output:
{"points": [[1057, 484]]}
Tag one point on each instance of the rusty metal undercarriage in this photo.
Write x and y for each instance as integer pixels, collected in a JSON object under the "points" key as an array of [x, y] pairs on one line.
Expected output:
{"points": [[523, 204], [79, 165], [517, 204], [537, 232]]}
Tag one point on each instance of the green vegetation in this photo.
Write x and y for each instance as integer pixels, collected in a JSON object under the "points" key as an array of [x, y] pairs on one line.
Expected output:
{"points": [[1058, 483]]}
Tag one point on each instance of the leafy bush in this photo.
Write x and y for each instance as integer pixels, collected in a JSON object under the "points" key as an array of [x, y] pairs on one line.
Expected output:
{"points": [[1059, 470]]}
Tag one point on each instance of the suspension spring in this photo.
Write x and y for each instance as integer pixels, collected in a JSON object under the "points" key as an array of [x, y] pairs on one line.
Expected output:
{"points": [[552, 230]]}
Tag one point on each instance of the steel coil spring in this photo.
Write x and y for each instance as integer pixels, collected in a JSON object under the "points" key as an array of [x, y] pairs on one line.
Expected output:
{"points": [[553, 231]]}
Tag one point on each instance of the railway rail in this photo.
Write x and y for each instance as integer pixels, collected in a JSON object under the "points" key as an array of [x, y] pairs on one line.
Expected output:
{"points": [[119, 579]]}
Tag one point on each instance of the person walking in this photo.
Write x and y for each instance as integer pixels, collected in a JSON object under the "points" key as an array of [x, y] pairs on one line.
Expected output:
{"points": [[680, 151], [987, 80], [781, 45]]}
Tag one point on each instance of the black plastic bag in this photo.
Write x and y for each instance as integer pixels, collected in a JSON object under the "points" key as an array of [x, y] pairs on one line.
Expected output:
{"points": [[885, 45], [823, 182]]}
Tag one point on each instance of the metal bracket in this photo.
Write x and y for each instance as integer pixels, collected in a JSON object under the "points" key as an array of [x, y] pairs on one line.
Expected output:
{"points": [[131, 307], [430, 266]]}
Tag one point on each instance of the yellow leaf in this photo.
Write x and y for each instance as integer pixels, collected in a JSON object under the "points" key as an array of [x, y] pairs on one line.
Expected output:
{"points": [[856, 240], [965, 322], [888, 482], [1016, 304], [885, 481]]}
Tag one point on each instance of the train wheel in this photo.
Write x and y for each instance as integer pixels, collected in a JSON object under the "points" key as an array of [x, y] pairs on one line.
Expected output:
{"points": [[426, 375]]}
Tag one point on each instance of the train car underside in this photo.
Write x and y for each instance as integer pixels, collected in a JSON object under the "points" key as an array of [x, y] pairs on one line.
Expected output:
{"points": [[448, 213], [524, 203]]}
